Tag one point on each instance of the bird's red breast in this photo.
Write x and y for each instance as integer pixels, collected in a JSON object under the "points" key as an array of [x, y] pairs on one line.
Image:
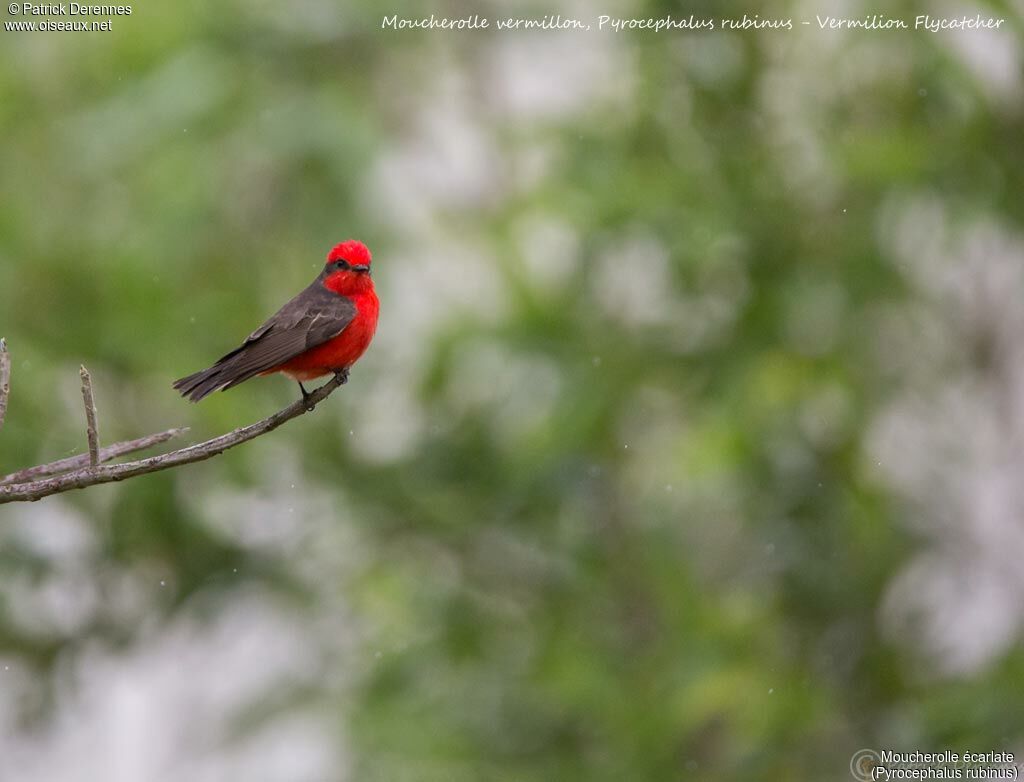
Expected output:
{"points": [[343, 350]]}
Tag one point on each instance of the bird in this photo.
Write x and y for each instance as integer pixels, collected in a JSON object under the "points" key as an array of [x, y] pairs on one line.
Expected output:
{"points": [[322, 331]]}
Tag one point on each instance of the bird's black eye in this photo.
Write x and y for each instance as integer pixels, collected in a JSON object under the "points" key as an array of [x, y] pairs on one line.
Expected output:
{"points": [[341, 264]]}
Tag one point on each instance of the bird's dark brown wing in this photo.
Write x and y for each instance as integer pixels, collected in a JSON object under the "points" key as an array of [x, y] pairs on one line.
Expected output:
{"points": [[310, 319]]}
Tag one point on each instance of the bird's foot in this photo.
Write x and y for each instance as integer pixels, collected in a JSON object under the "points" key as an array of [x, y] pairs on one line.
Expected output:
{"points": [[341, 375], [305, 397]]}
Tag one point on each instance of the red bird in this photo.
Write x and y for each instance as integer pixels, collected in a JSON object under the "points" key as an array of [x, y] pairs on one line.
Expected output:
{"points": [[323, 330]]}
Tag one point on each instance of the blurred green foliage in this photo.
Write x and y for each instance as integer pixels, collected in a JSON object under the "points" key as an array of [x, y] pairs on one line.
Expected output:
{"points": [[596, 505]]}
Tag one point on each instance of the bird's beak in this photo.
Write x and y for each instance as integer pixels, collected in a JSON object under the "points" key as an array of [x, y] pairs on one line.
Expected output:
{"points": [[361, 269]]}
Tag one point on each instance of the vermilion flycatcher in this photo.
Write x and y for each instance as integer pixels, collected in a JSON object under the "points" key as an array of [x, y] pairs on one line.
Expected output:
{"points": [[321, 331]]}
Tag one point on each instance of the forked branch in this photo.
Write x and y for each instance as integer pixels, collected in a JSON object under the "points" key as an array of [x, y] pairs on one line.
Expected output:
{"points": [[81, 460], [84, 470]]}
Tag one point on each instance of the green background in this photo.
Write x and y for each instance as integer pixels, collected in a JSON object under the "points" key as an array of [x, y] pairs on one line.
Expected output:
{"points": [[688, 448]]}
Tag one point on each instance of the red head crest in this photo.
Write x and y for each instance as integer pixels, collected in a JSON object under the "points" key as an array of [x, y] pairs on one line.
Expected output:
{"points": [[352, 251]]}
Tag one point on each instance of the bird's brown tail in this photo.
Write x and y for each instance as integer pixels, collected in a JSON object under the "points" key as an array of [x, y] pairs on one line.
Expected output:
{"points": [[225, 374], [201, 384]]}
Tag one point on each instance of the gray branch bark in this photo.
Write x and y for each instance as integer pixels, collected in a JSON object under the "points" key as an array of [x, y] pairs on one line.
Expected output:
{"points": [[92, 431], [81, 460], [5, 378], [26, 486]]}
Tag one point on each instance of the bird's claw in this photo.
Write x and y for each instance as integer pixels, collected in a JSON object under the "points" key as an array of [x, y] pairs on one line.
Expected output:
{"points": [[341, 376], [305, 398]]}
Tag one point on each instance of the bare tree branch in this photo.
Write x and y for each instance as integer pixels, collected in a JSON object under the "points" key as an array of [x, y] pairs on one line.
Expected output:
{"points": [[91, 430], [5, 378], [91, 476], [82, 459]]}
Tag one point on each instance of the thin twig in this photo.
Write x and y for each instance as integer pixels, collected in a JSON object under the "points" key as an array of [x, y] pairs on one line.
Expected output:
{"points": [[91, 430], [91, 476], [81, 460], [5, 378]]}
